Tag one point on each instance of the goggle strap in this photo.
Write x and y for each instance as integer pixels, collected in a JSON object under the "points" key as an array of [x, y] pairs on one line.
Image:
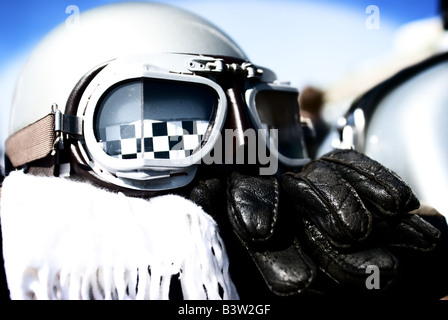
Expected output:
{"points": [[41, 138], [33, 142]]}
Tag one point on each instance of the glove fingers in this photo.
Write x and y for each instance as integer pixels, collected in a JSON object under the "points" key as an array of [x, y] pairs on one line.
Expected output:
{"points": [[286, 271], [373, 182], [253, 211], [349, 268], [409, 231], [253, 206], [329, 202]]}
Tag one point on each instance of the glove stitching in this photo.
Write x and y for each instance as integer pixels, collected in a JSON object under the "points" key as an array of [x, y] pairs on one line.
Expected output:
{"points": [[275, 209], [386, 186], [241, 225], [339, 222], [330, 261], [271, 262], [310, 267]]}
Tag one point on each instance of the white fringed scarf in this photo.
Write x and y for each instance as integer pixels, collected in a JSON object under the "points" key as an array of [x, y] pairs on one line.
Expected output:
{"points": [[69, 240]]}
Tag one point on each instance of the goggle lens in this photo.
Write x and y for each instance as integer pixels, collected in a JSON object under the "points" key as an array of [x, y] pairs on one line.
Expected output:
{"points": [[280, 110], [154, 119]]}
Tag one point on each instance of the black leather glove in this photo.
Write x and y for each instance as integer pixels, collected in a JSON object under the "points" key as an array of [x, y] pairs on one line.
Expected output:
{"points": [[341, 214], [354, 211]]}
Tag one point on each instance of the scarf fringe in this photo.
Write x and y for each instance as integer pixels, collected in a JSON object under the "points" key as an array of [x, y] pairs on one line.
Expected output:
{"points": [[100, 245]]}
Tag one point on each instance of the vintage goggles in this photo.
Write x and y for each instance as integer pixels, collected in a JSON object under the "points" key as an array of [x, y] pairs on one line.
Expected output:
{"points": [[145, 122]]}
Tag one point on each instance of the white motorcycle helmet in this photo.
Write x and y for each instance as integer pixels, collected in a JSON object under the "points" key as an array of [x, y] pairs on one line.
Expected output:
{"points": [[135, 95], [402, 123]]}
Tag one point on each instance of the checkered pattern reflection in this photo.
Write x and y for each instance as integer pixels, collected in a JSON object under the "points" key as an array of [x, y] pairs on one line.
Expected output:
{"points": [[156, 140]]}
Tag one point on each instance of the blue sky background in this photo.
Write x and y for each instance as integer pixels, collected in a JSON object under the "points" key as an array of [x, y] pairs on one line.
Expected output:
{"points": [[305, 42], [24, 23]]}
